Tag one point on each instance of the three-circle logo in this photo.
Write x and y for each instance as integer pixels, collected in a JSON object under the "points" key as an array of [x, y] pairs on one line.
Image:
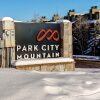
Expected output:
{"points": [[48, 34]]}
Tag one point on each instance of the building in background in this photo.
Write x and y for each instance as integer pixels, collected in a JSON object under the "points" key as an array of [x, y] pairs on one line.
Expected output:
{"points": [[55, 17], [43, 19], [93, 14]]}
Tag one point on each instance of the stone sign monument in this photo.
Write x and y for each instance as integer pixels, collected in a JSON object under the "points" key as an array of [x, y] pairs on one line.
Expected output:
{"points": [[37, 46]]}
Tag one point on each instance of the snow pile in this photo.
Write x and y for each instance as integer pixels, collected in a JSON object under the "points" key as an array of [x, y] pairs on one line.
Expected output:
{"points": [[31, 85]]}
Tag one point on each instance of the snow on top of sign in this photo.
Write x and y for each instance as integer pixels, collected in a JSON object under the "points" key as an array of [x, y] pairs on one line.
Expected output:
{"points": [[64, 21], [40, 61], [17, 21], [7, 18]]}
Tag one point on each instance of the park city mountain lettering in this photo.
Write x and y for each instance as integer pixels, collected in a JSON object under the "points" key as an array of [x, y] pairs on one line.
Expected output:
{"points": [[35, 48]]}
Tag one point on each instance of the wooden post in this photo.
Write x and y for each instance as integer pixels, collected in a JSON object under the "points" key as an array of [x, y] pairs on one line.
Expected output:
{"points": [[8, 50], [3, 64]]}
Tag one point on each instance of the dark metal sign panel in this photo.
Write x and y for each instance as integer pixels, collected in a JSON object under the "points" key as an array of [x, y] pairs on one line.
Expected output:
{"points": [[39, 40]]}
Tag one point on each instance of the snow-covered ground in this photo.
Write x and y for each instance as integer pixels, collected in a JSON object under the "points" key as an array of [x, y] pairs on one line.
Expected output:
{"points": [[83, 84]]}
